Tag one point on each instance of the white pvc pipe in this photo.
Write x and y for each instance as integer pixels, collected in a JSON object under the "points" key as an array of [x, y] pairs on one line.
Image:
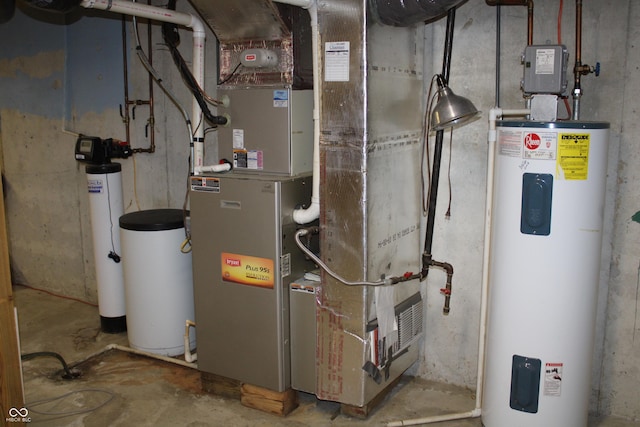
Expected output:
{"points": [[179, 18], [435, 419], [188, 356], [223, 167], [151, 355], [305, 4], [305, 216], [494, 114]]}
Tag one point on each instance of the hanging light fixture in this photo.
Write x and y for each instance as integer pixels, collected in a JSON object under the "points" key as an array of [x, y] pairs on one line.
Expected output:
{"points": [[451, 110]]}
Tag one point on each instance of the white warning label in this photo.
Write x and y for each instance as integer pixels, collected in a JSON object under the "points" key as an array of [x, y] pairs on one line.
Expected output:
{"points": [[552, 379]]}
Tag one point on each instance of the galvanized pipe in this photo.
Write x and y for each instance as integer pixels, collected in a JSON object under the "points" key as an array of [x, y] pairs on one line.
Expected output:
{"points": [[528, 3]]}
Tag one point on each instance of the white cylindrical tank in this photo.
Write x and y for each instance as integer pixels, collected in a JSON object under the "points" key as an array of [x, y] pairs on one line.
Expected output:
{"points": [[547, 219], [104, 183], [158, 281]]}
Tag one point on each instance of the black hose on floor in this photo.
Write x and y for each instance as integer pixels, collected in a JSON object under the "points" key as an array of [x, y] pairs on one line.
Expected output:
{"points": [[68, 374]]}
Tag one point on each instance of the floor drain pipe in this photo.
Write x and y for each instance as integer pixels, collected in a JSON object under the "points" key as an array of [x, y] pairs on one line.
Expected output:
{"points": [[188, 356]]}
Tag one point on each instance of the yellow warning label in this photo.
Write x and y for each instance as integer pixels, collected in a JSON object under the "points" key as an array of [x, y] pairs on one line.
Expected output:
{"points": [[573, 156]]}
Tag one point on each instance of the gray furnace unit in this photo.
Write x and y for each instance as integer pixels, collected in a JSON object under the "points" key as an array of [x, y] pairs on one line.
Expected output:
{"points": [[244, 259]]}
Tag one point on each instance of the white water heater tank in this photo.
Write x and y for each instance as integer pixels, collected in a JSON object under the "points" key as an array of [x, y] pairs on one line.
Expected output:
{"points": [[547, 219]]}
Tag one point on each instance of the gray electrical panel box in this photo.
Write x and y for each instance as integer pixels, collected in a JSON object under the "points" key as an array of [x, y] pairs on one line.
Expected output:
{"points": [[270, 130], [545, 69]]}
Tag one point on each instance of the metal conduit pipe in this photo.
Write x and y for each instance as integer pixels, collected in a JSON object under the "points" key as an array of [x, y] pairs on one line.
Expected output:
{"points": [[528, 3]]}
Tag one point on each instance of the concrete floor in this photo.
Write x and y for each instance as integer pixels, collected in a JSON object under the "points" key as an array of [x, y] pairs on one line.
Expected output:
{"points": [[118, 388]]}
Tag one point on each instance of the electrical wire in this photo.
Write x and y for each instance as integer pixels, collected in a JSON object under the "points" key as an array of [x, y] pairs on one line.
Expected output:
{"points": [[187, 229], [135, 181], [171, 38], [61, 414], [426, 129], [448, 213], [231, 75], [56, 295], [65, 367], [113, 254]]}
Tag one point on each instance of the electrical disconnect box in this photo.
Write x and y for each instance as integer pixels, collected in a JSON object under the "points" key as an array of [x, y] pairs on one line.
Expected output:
{"points": [[545, 69]]}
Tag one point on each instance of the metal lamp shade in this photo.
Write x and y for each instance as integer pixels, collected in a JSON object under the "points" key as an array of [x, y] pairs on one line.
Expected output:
{"points": [[451, 110]]}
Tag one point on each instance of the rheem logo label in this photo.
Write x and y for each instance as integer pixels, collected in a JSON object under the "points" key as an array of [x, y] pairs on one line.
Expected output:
{"points": [[532, 141]]}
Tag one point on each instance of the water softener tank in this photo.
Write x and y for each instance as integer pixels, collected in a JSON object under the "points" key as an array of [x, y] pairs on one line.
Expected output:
{"points": [[158, 281], [104, 184], [549, 190]]}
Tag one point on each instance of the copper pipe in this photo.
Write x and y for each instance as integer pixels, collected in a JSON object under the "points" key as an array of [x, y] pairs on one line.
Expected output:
{"points": [[528, 3], [126, 115]]}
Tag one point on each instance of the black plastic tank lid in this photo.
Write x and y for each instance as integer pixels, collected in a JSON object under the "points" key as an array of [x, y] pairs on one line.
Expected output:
{"points": [[103, 168], [153, 220]]}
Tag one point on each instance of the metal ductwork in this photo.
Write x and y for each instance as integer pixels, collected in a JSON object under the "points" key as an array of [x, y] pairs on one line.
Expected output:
{"points": [[61, 6], [371, 121], [243, 25], [404, 13], [243, 19]]}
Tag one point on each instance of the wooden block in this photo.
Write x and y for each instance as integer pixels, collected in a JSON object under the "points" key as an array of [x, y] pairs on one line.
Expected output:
{"points": [[265, 400], [220, 386], [363, 412]]}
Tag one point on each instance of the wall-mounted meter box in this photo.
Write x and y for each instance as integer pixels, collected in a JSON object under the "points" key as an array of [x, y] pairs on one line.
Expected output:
{"points": [[269, 130], [545, 69]]}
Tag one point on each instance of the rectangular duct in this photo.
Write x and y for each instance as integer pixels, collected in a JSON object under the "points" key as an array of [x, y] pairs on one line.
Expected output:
{"points": [[371, 120], [243, 25]]}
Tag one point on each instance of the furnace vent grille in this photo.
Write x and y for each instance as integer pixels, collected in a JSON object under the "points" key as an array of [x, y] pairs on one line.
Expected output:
{"points": [[409, 323]]}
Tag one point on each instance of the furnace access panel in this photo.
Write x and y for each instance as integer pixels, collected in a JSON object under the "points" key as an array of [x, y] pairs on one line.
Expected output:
{"points": [[269, 130], [244, 258]]}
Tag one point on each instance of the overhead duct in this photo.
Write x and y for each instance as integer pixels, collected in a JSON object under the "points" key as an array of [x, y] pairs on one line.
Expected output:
{"points": [[403, 13], [371, 120], [61, 6], [7, 9], [242, 19]]}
